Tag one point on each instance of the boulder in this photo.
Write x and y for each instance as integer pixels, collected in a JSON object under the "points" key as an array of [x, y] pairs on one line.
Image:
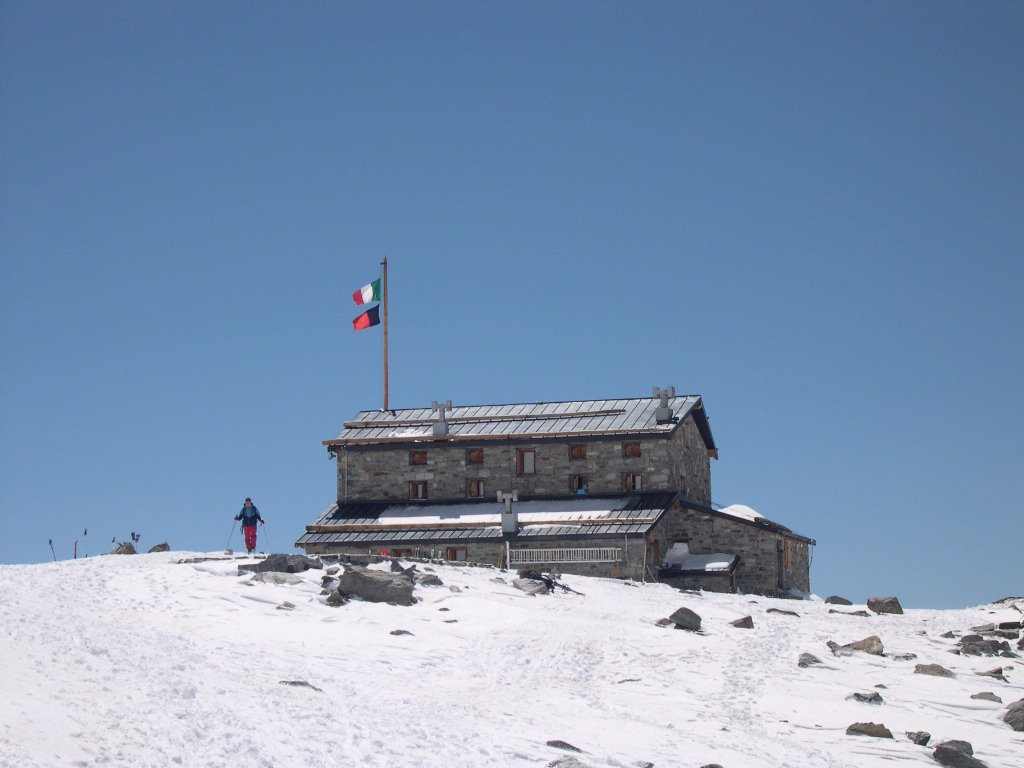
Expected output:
{"points": [[996, 673], [987, 696], [124, 548], [532, 586], [871, 645], [745, 623], [428, 580], [877, 730], [686, 619], [953, 754], [559, 744], [1014, 716], [376, 586], [276, 577], [281, 564], [932, 669], [335, 599], [808, 660], [867, 698], [836, 600], [975, 645], [163, 546], [921, 738], [885, 605]]}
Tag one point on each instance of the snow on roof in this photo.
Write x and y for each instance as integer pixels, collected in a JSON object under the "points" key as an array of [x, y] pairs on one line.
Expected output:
{"points": [[742, 511], [558, 510], [681, 557]]}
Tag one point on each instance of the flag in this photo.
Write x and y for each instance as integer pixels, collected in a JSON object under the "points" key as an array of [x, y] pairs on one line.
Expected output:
{"points": [[366, 294], [368, 319]]}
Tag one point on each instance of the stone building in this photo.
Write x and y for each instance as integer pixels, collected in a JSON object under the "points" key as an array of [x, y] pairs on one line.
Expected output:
{"points": [[618, 488]]}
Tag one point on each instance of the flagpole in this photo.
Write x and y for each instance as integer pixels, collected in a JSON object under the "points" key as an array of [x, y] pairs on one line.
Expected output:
{"points": [[384, 322]]}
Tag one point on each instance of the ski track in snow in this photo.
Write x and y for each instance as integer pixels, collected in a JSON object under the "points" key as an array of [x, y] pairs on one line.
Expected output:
{"points": [[145, 661]]}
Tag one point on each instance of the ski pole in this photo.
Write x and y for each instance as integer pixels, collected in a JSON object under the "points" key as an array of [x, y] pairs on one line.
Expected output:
{"points": [[231, 535], [266, 539]]}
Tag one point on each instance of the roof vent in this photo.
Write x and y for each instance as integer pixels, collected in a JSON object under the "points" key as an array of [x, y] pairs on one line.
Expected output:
{"points": [[663, 414], [441, 425]]}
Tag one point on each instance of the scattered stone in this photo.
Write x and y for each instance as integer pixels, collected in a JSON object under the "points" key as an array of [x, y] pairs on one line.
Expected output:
{"points": [[836, 600], [376, 586], [984, 628], [163, 546], [665, 623], [867, 698], [903, 656], [787, 613], [453, 588], [300, 684], [876, 730], [559, 744], [808, 660], [281, 564], [934, 670], [711, 765], [921, 738], [286, 606], [885, 605], [871, 644], [643, 764], [275, 577], [628, 680], [531, 586], [1011, 625], [987, 696], [124, 548], [428, 580], [567, 762], [996, 673], [444, 610], [976, 645], [1014, 716], [745, 623], [400, 632], [451, 621], [948, 635], [332, 570], [686, 619], [850, 613], [335, 599], [950, 754]]}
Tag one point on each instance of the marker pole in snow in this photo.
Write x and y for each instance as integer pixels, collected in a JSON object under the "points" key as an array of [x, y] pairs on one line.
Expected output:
{"points": [[51, 550]]}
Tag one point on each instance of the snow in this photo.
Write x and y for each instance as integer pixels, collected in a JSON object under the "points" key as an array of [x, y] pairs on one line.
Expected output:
{"points": [[742, 511], [577, 508], [680, 555], [147, 661]]}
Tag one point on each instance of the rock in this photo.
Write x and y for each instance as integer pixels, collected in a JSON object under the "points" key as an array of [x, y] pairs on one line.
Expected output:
{"points": [[332, 570], [903, 656], [376, 586], [400, 632], [124, 548], [745, 623], [281, 564], [428, 580], [532, 586], [921, 738], [274, 577], [953, 754], [836, 600], [665, 623], [559, 744], [567, 762], [987, 696], [867, 698], [885, 605], [975, 645], [850, 613], [786, 613], [335, 598], [877, 730], [163, 546], [932, 669], [871, 644], [996, 673], [300, 684], [808, 660], [686, 619], [286, 606], [1014, 716], [948, 635], [1011, 625]]}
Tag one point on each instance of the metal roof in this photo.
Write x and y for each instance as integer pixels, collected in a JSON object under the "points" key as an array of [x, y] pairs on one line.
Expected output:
{"points": [[526, 420], [388, 523]]}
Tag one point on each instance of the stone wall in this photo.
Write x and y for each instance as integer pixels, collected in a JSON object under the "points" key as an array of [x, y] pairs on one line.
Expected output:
{"points": [[380, 472]]}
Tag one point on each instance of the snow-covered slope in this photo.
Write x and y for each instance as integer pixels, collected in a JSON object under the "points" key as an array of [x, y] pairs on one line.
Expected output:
{"points": [[148, 661]]}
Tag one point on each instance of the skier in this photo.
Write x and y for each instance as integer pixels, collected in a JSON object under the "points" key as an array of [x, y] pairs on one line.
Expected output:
{"points": [[249, 517]]}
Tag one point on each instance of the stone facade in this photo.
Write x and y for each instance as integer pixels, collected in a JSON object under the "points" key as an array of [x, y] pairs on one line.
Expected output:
{"points": [[677, 462]]}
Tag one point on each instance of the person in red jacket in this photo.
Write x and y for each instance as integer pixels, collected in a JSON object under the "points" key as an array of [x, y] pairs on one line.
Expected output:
{"points": [[249, 517]]}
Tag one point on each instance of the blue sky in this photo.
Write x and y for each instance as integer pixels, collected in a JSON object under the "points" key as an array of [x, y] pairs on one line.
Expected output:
{"points": [[811, 214]]}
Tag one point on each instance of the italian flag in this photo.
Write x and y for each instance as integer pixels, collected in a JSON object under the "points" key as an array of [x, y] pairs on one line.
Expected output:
{"points": [[368, 293], [368, 319]]}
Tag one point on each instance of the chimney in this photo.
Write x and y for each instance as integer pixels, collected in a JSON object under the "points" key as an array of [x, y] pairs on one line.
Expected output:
{"points": [[441, 426], [663, 414], [509, 519]]}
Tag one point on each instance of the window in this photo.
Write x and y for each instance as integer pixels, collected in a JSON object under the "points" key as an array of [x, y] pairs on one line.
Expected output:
{"points": [[456, 553], [475, 487], [631, 481], [417, 457], [474, 455], [578, 451], [631, 450], [578, 483], [526, 461], [417, 489], [401, 553]]}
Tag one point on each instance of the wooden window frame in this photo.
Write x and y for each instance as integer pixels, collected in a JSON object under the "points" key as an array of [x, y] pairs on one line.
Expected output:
{"points": [[521, 455], [474, 455], [452, 553], [475, 484], [576, 482], [415, 488], [631, 450], [632, 481], [418, 457], [407, 552], [577, 451]]}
